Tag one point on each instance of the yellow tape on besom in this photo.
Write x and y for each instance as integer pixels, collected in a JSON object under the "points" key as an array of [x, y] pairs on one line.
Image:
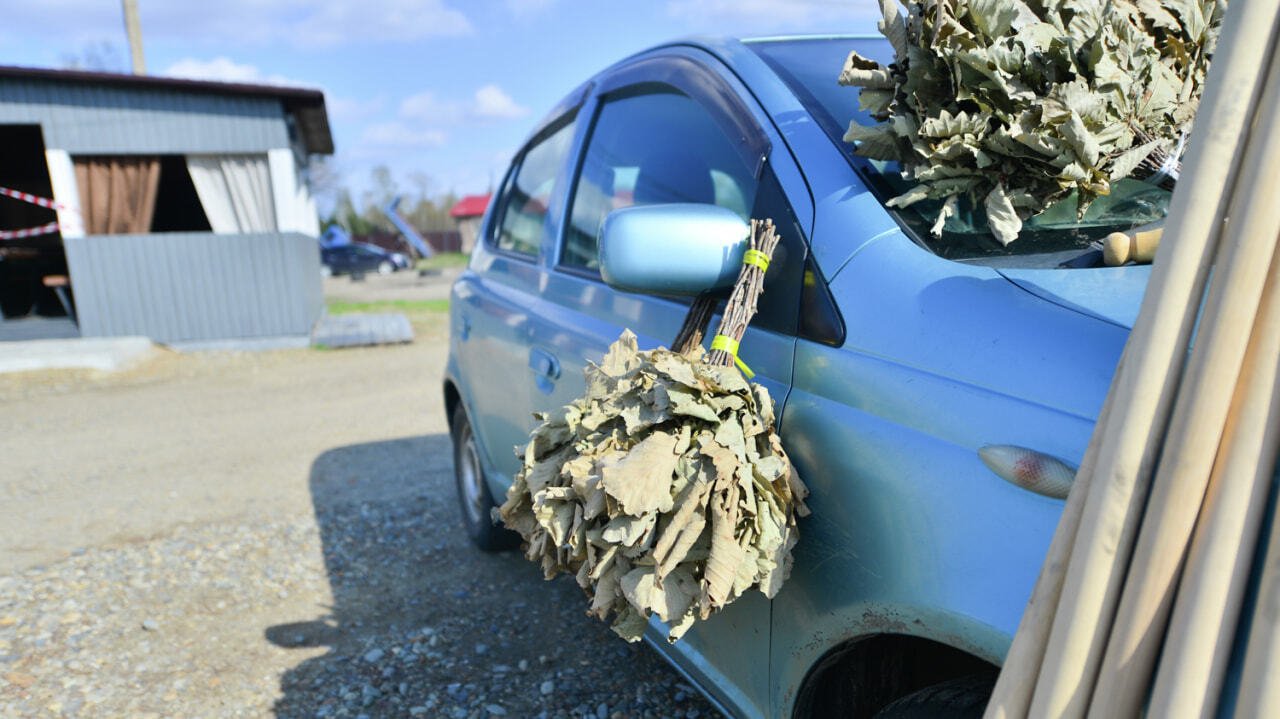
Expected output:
{"points": [[728, 344], [757, 258]]}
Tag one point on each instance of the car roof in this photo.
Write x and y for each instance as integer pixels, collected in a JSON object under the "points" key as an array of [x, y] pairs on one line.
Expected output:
{"points": [[732, 51], [726, 47]]}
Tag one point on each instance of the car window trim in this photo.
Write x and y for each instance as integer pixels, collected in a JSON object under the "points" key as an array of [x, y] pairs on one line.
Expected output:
{"points": [[705, 86], [544, 131]]}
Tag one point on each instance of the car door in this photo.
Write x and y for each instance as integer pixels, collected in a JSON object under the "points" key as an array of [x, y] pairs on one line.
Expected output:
{"points": [[362, 259], [342, 259], [491, 301], [670, 127]]}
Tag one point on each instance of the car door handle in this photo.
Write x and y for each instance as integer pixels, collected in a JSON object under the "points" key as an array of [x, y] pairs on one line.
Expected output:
{"points": [[546, 368], [544, 363]]}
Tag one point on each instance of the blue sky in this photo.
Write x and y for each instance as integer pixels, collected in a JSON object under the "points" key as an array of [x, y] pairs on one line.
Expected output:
{"points": [[440, 91]]}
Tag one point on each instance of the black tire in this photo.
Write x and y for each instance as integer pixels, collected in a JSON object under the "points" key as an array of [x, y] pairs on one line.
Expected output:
{"points": [[963, 698], [474, 499]]}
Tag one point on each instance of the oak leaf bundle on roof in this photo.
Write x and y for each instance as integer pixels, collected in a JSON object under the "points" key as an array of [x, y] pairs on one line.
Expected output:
{"points": [[1014, 105]]}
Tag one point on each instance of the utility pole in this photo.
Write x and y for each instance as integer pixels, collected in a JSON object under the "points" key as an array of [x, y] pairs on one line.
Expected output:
{"points": [[134, 30]]}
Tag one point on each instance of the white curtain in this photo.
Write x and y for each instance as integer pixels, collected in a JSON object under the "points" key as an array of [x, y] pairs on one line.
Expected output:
{"points": [[295, 208], [62, 176], [309, 216], [235, 191]]}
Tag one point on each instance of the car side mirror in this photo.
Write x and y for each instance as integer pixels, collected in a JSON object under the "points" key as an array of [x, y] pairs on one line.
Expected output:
{"points": [[672, 249]]}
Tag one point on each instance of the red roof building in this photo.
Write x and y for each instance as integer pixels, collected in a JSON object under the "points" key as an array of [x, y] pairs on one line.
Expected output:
{"points": [[468, 213], [470, 206]]}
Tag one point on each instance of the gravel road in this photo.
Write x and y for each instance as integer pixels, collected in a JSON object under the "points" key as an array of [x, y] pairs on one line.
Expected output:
{"points": [[220, 535]]}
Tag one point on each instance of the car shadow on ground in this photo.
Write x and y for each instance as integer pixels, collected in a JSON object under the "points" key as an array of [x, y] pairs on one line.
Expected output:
{"points": [[424, 624]]}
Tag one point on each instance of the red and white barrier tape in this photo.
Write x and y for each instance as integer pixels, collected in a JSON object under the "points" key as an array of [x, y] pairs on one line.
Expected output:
{"points": [[43, 202], [44, 229], [29, 232]]}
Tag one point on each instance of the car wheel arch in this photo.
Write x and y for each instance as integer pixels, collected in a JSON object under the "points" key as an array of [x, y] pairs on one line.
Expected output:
{"points": [[452, 397], [850, 680]]}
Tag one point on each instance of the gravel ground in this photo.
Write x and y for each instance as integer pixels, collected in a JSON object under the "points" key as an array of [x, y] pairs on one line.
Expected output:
{"points": [[403, 285], [226, 535]]}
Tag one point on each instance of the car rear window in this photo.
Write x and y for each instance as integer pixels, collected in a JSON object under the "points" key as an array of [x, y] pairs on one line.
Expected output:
{"points": [[522, 209]]}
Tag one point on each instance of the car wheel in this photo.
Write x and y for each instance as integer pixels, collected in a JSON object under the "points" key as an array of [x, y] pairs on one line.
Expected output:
{"points": [[474, 498], [326, 271], [385, 267], [962, 698]]}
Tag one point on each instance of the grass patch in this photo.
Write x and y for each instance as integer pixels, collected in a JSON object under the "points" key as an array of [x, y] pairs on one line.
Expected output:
{"points": [[441, 260], [337, 307]]}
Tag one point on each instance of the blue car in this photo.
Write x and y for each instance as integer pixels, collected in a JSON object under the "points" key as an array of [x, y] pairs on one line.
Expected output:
{"points": [[360, 257], [894, 357]]}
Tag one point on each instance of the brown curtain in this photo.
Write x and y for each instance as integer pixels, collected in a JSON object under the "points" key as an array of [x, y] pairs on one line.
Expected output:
{"points": [[117, 194]]}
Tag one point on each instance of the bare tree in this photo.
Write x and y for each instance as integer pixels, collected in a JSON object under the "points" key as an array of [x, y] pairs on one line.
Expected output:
{"points": [[98, 56]]}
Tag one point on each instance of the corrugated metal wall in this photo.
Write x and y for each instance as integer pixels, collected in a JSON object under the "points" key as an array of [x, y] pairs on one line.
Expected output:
{"points": [[181, 287], [104, 120]]}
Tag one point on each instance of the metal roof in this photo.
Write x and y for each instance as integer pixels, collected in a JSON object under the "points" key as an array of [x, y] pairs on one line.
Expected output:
{"points": [[305, 104]]}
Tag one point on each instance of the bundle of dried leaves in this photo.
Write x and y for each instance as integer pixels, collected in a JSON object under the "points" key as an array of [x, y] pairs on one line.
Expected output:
{"points": [[664, 489], [1016, 104]]}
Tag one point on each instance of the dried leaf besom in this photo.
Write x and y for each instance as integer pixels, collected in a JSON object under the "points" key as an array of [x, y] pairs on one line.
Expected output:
{"points": [[664, 489], [1015, 104]]}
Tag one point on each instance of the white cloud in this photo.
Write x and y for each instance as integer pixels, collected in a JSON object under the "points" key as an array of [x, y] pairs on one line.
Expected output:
{"points": [[489, 102], [401, 134], [426, 107], [224, 69], [300, 23], [494, 104], [337, 22], [351, 109]]}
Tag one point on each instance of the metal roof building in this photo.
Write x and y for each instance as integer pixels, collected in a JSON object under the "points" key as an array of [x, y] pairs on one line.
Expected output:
{"points": [[176, 209]]}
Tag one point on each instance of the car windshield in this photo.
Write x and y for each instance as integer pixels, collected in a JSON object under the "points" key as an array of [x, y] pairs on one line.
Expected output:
{"points": [[810, 67]]}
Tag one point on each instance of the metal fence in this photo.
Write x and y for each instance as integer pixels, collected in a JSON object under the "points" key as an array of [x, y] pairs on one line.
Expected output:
{"points": [[194, 286]]}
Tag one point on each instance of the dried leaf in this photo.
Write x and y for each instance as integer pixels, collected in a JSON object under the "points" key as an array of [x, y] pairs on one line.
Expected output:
{"points": [[683, 528], [641, 481], [1002, 217], [629, 624], [993, 17], [879, 142], [670, 600], [688, 404], [863, 72], [1124, 164], [726, 554]]}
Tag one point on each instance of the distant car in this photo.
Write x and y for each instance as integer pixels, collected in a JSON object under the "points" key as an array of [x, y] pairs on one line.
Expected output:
{"points": [[359, 257], [893, 356]]}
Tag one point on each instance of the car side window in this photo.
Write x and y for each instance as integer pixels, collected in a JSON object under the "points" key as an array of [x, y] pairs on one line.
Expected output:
{"points": [[523, 205], [649, 146]]}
